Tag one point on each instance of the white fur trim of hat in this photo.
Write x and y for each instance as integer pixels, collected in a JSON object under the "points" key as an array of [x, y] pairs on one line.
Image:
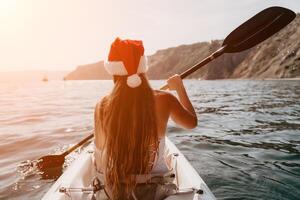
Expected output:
{"points": [[118, 68]]}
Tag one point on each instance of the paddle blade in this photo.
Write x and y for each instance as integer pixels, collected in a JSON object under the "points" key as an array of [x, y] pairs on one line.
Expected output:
{"points": [[258, 28], [50, 161]]}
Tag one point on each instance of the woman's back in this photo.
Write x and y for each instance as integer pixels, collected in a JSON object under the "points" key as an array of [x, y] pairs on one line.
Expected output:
{"points": [[162, 111]]}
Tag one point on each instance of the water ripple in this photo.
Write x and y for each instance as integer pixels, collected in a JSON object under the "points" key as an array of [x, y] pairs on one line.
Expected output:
{"points": [[246, 146]]}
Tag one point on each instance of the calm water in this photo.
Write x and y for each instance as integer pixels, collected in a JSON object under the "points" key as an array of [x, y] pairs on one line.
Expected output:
{"points": [[246, 145]]}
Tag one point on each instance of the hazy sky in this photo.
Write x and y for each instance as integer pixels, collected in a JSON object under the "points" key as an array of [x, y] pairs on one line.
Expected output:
{"points": [[61, 34]]}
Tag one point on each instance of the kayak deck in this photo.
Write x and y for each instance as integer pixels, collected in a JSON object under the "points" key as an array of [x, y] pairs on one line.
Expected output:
{"points": [[82, 171]]}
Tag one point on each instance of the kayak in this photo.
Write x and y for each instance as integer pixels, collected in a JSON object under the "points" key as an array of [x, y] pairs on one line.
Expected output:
{"points": [[76, 181]]}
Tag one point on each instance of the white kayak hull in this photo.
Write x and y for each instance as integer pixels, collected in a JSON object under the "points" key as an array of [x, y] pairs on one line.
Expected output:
{"points": [[82, 171]]}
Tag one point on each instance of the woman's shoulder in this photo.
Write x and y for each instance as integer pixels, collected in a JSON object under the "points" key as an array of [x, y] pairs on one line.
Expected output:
{"points": [[102, 101], [164, 96], [161, 93], [100, 105]]}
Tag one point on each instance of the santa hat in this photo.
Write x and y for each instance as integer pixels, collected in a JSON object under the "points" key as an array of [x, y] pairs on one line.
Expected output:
{"points": [[126, 58]]}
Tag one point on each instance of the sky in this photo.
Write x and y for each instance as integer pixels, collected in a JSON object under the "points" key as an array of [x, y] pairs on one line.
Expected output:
{"points": [[62, 34]]}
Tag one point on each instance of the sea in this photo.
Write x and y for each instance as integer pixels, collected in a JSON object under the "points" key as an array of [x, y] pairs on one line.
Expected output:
{"points": [[246, 144]]}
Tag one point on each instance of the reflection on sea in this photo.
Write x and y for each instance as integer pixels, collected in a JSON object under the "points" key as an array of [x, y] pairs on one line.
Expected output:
{"points": [[246, 145]]}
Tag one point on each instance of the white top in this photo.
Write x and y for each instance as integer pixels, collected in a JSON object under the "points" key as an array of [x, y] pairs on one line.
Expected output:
{"points": [[162, 158], [161, 162]]}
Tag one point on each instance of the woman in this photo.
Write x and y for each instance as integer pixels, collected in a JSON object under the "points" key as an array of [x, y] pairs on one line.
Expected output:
{"points": [[131, 121]]}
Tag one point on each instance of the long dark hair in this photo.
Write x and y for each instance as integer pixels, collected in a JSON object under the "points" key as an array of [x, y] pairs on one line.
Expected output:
{"points": [[129, 125]]}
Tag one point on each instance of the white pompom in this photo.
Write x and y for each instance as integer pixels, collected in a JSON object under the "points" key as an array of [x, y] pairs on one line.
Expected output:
{"points": [[134, 81]]}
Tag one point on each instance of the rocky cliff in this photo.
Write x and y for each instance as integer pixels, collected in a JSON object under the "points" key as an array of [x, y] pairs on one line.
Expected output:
{"points": [[93, 71], [277, 57]]}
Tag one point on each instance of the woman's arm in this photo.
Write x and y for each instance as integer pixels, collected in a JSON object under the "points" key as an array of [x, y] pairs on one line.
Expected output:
{"points": [[182, 111]]}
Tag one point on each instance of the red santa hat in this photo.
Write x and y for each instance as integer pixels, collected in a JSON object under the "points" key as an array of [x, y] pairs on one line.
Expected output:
{"points": [[126, 58]]}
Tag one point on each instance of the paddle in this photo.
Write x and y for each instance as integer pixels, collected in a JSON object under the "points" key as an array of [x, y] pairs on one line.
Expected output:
{"points": [[57, 161], [252, 32]]}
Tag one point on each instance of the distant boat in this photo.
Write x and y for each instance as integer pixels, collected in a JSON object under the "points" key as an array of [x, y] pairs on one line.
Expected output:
{"points": [[45, 79]]}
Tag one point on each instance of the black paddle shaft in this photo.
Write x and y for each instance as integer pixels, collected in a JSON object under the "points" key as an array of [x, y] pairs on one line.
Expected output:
{"points": [[194, 68], [78, 145], [200, 64]]}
